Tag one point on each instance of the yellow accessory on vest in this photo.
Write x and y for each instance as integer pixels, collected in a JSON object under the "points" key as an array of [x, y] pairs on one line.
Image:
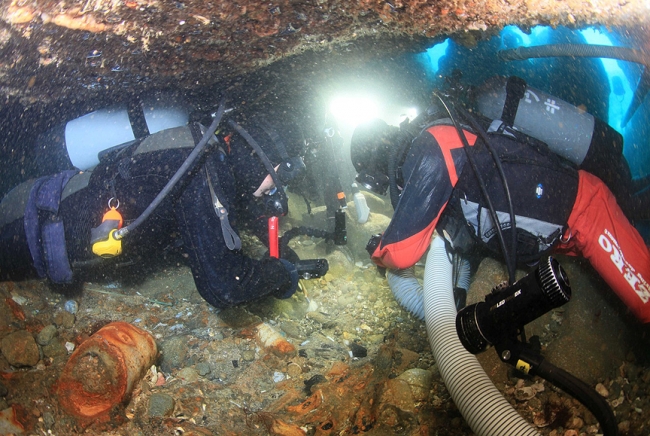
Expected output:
{"points": [[103, 240]]}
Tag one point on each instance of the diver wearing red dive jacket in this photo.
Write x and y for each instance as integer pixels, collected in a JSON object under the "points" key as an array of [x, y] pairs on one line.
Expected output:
{"points": [[557, 208]]}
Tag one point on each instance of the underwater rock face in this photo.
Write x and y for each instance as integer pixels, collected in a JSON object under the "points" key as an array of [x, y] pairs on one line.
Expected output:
{"points": [[76, 49]]}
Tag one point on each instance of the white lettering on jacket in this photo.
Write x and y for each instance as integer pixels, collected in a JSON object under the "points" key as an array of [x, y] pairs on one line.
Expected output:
{"points": [[634, 279]]}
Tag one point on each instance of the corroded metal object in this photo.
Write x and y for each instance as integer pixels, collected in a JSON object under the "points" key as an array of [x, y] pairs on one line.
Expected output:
{"points": [[103, 370]]}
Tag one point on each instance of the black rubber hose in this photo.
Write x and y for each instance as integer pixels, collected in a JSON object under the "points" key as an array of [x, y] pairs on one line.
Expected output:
{"points": [[182, 170], [265, 161], [301, 230], [510, 257], [575, 50], [504, 181], [392, 177], [583, 393]]}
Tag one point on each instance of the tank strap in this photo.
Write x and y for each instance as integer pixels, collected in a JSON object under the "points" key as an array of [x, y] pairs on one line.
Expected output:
{"points": [[137, 120], [515, 91]]}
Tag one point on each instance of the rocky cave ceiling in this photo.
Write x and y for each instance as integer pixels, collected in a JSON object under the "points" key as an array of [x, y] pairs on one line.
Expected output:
{"points": [[53, 51]]}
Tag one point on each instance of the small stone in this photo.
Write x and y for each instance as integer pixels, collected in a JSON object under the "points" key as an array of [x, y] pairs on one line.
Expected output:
{"points": [[602, 390], [188, 375], [358, 350], [576, 423], [318, 317], [64, 319], [292, 329], [419, 380], [71, 306], [55, 348], [294, 370], [174, 353], [624, 427], [45, 336], [48, 419], [203, 368], [248, 355], [20, 349], [160, 405]]}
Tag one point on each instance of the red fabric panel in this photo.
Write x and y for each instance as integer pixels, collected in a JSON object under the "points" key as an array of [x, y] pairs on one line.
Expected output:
{"points": [[600, 232], [448, 139], [406, 253]]}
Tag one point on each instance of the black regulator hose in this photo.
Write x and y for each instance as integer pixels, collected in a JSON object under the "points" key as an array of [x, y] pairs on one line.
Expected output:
{"points": [[182, 170], [301, 230], [508, 255], [265, 161], [392, 179], [582, 392], [338, 236], [533, 363], [575, 50]]}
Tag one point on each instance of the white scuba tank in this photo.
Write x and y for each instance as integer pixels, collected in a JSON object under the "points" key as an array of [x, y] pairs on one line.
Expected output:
{"points": [[87, 136], [566, 129], [360, 204]]}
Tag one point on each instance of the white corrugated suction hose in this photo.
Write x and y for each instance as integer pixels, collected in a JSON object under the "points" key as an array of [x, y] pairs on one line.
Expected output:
{"points": [[481, 404]]}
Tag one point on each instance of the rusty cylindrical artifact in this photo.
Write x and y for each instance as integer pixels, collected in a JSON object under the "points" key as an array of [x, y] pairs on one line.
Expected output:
{"points": [[102, 371]]}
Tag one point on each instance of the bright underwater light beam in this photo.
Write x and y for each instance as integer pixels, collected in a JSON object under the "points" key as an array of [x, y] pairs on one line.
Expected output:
{"points": [[354, 110]]}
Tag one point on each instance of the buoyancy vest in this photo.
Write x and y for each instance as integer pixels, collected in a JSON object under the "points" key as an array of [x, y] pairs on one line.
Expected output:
{"points": [[44, 228], [543, 188]]}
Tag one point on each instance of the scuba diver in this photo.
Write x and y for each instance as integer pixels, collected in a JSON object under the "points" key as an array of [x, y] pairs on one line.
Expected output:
{"points": [[182, 180], [460, 173], [321, 182]]}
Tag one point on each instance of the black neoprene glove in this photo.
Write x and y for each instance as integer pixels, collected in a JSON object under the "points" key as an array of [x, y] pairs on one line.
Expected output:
{"points": [[290, 288]]}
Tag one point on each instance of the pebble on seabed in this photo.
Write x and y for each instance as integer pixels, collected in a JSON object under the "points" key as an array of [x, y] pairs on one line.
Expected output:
{"points": [[71, 306]]}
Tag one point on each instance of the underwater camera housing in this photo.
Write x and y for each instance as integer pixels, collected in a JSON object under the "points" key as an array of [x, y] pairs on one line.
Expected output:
{"points": [[312, 268], [507, 309]]}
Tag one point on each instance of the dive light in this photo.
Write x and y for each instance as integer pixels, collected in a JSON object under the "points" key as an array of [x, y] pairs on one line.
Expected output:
{"points": [[508, 309]]}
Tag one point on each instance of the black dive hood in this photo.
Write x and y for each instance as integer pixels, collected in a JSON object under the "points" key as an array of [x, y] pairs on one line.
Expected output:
{"points": [[289, 167]]}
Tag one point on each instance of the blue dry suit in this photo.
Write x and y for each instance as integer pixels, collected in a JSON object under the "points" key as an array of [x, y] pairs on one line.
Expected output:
{"points": [[134, 175]]}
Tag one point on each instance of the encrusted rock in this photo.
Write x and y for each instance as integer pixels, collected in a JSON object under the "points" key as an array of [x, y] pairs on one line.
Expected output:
{"points": [[20, 349]]}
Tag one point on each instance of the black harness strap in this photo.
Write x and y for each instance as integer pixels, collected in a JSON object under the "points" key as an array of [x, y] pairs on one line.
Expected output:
{"points": [[515, 91], [233, 242]]}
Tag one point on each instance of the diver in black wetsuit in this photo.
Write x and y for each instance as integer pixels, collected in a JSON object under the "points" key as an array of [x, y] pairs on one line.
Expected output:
{"points": [[46, 226]]}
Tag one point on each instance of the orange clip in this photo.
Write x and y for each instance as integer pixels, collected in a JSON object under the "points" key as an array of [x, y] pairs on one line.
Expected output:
{"points": [[113, 214]]}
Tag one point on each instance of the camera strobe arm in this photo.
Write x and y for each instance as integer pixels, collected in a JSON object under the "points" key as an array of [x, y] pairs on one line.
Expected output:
{"points": [[530, 362]]}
